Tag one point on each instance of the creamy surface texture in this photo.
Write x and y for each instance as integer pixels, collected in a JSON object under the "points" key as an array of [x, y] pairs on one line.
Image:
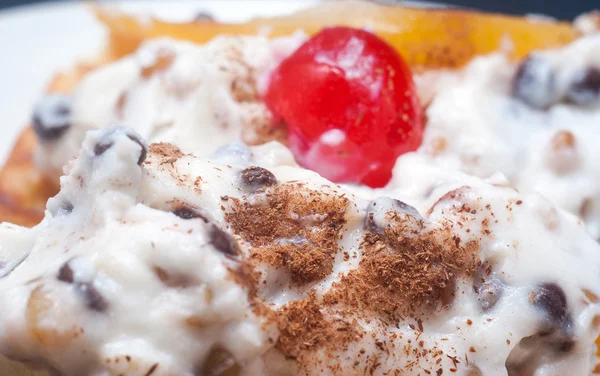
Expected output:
{"points": [[154, 262], [197, 96], [188, 260], [536, 122]]}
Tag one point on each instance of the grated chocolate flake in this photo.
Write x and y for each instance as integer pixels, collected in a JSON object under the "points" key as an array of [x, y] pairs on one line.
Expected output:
{"points": [[292, 211], [406, 269]]}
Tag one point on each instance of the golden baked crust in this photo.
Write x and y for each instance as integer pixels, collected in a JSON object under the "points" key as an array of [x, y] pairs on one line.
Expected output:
{"points": [[23, 188], [427, 38]]}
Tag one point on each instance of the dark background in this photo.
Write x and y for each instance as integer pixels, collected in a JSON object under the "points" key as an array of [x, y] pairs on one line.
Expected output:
{"points": [[563, 9]]}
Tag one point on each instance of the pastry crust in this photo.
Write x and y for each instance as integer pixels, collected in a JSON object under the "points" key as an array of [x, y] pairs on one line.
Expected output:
{"points": [[23, 188], [427, 38]]}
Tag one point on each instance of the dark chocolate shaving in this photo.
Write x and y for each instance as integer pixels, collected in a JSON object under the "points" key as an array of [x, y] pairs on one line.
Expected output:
{"points": [[94, 300]]}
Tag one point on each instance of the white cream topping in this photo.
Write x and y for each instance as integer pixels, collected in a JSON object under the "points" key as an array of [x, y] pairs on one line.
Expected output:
{"points": [[150, 289], [201, 97], [476, 125], [197, 96]]}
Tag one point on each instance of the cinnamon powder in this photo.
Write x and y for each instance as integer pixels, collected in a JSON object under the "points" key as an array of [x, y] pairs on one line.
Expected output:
{"points": [[407, 269], [296, 229]]}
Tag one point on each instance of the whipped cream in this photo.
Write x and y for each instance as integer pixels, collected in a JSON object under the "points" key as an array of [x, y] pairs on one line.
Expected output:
{"points": [[538, 130], [197, 96], [154, 262], [536, 122]]}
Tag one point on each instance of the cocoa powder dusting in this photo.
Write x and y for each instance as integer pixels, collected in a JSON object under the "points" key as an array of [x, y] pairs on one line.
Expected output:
{"points": [[405, 270], [458, 194], [243, 88], [261, 128], [165, 150], [243, 75], [245, 275], [296, 229], [304, 327]]}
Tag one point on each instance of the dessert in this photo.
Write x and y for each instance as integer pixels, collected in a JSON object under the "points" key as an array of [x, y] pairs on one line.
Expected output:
{"points": [[316, 201], [460, 35], [526, 119], [246, 264]]}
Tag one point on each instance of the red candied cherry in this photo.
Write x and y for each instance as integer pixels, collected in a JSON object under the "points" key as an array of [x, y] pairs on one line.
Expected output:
{"points": [[350, 106]]}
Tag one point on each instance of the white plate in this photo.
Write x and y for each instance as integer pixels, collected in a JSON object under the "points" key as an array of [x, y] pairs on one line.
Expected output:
{"points": [[38, 40]]}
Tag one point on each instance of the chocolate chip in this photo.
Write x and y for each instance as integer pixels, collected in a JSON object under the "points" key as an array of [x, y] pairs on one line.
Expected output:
{"points": [[551, 299], [370, 224], [94, 300], [489, 294], [534, 82], [52, 117], [384, 205], [585, 88], [448, 293], [219, 362], [151, 369], [222, 241], [54, 372], [203, 16], [405, 208], [489, 289], [525, 357], [64, 209], [173, 279], [256, 178], [563, 345], [144, 151], [65, 273], [555, 334], [537, 350], [106, 142], [101, 147], [187, 212]]}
